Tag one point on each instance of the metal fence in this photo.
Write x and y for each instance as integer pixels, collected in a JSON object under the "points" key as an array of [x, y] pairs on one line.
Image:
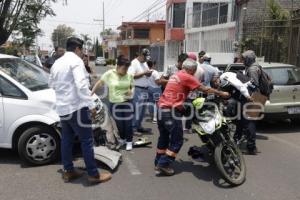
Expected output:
{"points": [[276, 40], [157, 54]]}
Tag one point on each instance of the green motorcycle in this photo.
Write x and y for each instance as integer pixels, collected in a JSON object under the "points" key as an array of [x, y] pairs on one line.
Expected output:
{"points": [[214, 131]]}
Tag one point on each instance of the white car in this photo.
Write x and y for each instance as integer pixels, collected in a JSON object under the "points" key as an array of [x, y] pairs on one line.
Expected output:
{"points": [[100, 61], [28, 120]]}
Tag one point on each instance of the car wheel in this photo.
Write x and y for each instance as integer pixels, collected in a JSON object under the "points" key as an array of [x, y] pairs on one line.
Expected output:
{"points": [[39, 145]]}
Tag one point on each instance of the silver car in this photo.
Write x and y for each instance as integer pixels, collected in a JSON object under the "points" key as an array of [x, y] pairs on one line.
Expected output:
{"points": [[284, 102]]}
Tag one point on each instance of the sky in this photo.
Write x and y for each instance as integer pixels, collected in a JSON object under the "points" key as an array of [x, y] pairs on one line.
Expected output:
{"points": [[80, 15]]}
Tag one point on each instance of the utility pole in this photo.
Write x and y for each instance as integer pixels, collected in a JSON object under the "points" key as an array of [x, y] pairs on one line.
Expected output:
{"points": [[103, 26]]}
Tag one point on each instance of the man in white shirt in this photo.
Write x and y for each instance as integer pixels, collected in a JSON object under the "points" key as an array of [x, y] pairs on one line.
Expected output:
{"points": [[141, 73], [154, 90], [75, 105]]}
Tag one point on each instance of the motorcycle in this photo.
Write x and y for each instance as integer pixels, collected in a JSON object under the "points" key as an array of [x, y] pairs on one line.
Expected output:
{"points": [[215, 132]]}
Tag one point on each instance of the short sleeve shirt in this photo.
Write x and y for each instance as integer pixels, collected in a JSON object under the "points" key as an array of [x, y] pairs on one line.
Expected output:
{"points": [[138, 67], [154, 77], [177, 90], [118, 86]]}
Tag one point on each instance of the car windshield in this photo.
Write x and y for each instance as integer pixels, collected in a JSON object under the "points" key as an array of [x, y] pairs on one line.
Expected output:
{"points": [[284, 75], [29, 75]]}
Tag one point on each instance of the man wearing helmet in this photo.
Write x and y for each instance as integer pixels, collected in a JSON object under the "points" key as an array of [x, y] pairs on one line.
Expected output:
{"points": [[141, 73]]}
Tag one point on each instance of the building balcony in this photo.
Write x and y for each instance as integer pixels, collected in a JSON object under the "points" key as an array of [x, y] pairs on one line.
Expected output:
{"points": [[134, 42], [175, 34]]}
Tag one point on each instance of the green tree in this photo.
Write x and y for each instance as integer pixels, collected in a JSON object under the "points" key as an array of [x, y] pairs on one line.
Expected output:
{"points": [[98, 49], [87, 41], [22, 17], [107, 32], [61, 34]]}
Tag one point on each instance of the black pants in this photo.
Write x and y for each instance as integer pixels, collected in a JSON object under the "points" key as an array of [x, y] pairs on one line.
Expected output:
{"points": [[123, 115], [248, 128]]}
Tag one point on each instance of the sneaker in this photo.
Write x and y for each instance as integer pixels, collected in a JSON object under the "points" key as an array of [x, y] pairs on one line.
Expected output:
{"points": [[122, 142], [128, 146], [144, 130], [164, 171], [101, 178], [154, 121], [72, 175]]}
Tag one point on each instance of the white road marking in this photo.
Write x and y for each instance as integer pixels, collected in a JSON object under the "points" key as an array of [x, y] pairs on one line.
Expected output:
{"points": [[278, 139], [131, 166]]}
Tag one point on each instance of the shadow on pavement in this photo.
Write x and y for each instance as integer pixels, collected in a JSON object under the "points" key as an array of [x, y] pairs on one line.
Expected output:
{"points": [[8, 156], [277, 127], [203, 171]]}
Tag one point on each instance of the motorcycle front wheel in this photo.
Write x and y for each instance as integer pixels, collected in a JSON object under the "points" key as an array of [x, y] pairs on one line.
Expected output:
{"points": [[231, 163]]}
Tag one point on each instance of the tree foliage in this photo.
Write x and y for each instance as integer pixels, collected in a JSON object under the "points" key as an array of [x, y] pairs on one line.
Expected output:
{"points": [[61, 34], [22, 17]]}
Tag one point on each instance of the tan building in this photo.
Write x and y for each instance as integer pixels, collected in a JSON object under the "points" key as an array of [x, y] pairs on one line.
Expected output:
{"points": [[137, 35]]}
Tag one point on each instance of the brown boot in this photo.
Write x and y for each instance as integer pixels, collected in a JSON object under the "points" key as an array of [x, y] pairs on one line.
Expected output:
{"points": [[101, 178], [72, 175]]}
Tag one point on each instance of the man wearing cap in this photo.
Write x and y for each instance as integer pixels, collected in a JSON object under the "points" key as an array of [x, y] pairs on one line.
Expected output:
{"points": [[141, 73], [211, 73]]}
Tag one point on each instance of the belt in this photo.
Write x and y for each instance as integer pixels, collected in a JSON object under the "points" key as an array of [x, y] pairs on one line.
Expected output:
{"points": [[145, 88]]}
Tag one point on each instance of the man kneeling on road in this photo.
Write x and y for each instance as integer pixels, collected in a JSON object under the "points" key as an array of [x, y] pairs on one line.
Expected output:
{"points": [[171, 112]]}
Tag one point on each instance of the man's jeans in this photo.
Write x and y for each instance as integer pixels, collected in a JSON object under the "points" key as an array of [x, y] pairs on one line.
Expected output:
{"points": [[78, 124], [170, 138], [139, 103], [123, 114], [154, 95]]}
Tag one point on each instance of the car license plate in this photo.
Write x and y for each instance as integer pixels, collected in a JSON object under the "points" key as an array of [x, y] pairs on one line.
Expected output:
{"points": [[294, 110]]}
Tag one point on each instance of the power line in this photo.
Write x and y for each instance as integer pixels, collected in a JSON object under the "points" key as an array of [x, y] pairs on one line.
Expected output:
{"points": [[80, 23], [151, 12], [147, 11], [115, 5]]}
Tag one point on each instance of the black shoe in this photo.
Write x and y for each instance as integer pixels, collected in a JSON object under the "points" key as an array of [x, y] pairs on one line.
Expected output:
{"points": [[252, 151], [144, 130]]}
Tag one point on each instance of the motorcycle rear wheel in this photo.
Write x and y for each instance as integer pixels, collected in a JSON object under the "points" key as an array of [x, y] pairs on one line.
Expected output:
{"points": [[231, 163]]}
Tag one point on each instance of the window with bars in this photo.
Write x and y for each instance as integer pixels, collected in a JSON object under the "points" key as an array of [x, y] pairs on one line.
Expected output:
{"points": [[141, 33], [179, 15], [210, 14], [197, 8]]}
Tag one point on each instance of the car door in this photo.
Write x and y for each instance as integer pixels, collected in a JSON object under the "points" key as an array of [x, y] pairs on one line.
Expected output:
{"points": [[13, 101], [1, 116], [285, 90]]}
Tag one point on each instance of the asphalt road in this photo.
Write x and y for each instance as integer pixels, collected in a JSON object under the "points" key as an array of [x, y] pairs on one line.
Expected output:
{"points": [[271, 175]]}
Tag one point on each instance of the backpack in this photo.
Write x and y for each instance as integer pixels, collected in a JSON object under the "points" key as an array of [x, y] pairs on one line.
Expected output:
{"points": [[265, 83]]}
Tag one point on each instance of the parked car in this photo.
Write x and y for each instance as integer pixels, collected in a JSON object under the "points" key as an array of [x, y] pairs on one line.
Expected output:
{"points": [[28, 120], [100, 61], [34, 59], [284, 102]]}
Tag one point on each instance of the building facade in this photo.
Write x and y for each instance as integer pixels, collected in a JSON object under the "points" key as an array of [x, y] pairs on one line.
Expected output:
{"points": [[135, 36], [211, 26], [175, 26], [225, 27]]}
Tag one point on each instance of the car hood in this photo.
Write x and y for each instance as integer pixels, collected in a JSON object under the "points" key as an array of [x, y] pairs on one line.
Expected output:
{"points": [[46, 97]]}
